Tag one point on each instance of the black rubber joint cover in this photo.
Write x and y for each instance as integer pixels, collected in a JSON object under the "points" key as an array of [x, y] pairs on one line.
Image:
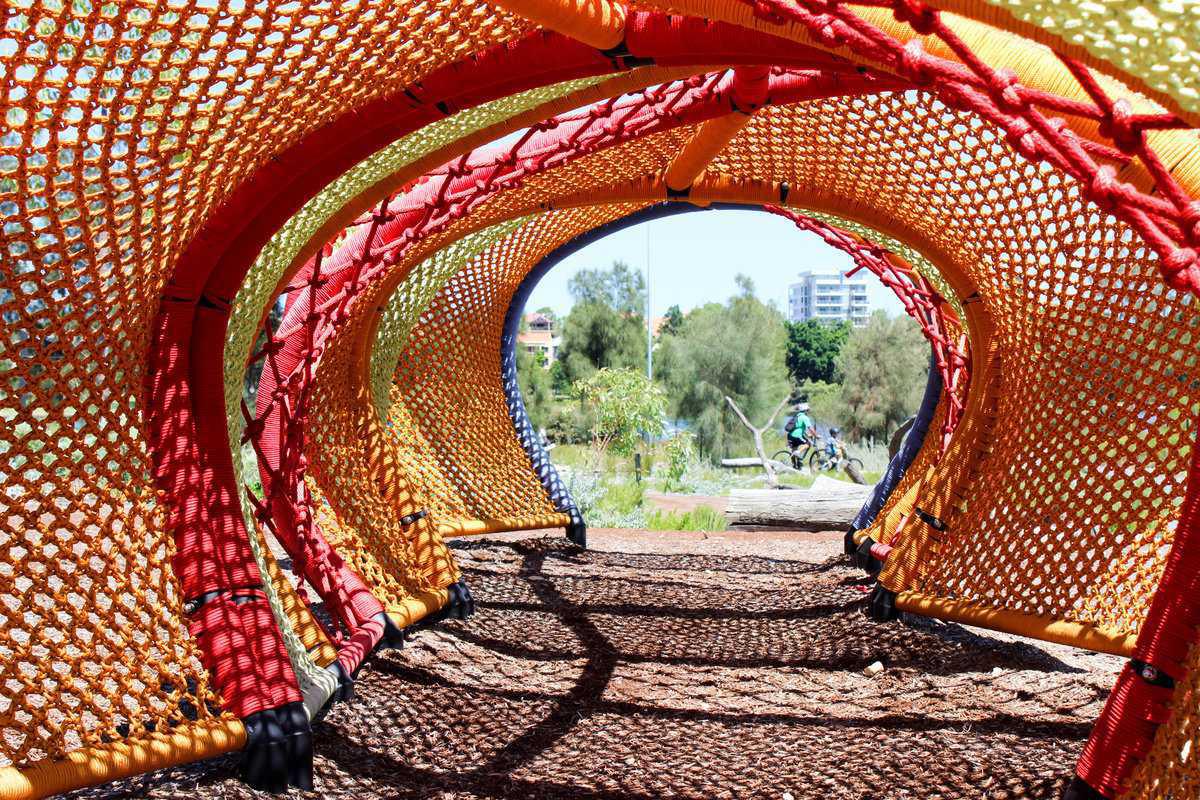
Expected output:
{"points": [[864, 560], [849, 546], [1079, 789], [577, 531], [279, 749], [882, 606]]}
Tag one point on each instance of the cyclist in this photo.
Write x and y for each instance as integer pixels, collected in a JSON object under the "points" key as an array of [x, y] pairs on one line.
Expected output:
{"points": [[833, 445], [800, 428]]}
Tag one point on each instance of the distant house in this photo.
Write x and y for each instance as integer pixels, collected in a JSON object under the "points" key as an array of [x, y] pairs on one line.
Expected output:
{"points": [[540, 336]]}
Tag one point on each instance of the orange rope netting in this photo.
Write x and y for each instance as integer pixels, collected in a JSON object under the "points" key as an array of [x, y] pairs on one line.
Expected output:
{"points": [[150, 151]]}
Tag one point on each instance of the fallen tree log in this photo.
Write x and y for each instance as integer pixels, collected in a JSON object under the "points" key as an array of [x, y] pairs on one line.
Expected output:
{"points": [[738, 463], [818, 509]]}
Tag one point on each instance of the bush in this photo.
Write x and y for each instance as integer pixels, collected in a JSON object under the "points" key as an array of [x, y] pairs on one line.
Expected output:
{"points": [[680, 451], [622, 497], [567, 423], [623, 403]]}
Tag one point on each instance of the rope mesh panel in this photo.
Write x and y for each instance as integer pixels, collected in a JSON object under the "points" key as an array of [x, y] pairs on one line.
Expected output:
{"points": [[127, 124], [124, 125], [1169, 769], [1065, 284], [301, 633], [447, 380], [1156, 41]]}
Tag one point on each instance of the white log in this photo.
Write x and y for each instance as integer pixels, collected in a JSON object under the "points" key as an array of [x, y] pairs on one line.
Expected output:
{"points": [[735, 463], [820, 510], [824, 483]]}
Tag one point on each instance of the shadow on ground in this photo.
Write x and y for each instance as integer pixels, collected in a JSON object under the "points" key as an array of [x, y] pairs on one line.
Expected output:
{"points": [[615, 676]]}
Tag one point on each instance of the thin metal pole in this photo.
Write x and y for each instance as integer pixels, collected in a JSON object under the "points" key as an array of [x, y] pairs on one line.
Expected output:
{"points": [[649, 319]]}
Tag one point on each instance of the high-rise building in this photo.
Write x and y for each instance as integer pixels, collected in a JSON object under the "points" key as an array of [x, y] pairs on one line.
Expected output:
{"points": [[828, 296]]}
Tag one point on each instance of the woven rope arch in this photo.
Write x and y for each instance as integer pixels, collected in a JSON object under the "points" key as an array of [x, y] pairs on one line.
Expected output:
{"points": [[150, 152]]}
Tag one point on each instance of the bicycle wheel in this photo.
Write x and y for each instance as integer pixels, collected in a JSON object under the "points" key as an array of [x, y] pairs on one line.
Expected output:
{"points": [[819, 461], [854, 468], [783, 457]]}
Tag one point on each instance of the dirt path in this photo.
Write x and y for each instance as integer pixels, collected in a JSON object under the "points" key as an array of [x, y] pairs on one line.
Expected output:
{"points": [[684, 502], [692, 666]]}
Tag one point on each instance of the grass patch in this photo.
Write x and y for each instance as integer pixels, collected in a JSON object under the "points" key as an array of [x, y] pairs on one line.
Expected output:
{"points": [[622, 497], [704, 518]]}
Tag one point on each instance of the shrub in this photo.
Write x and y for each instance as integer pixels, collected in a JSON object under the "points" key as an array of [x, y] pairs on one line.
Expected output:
{"points": [[681, 453], [703, 518]]}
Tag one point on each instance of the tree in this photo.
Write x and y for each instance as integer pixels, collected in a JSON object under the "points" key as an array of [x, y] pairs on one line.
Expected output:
{"points": [[824, 401], [595, 336], [623, 403], [734, 350], [620, 288], [605, 328], [536, 389], [883, 368], [812, 349], [672, 322]]}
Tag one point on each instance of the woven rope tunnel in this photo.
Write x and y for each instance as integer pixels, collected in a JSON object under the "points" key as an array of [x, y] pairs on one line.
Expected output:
{"points": [[394, 180]]}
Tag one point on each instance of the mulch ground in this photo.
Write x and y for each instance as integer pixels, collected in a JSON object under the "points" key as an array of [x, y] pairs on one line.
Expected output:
{"points": [[689, 666]]}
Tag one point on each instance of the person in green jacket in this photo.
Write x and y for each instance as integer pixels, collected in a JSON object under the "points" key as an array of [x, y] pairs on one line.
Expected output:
{"points": [[800, 428]]}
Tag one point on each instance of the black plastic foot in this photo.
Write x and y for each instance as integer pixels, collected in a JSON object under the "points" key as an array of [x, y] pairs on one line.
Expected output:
{"points": [[864, 560], [393, 636], [279, 751], [460, 606], [577, 533], [1079, 789], [345, 689], [849, 546], [882, 606]]}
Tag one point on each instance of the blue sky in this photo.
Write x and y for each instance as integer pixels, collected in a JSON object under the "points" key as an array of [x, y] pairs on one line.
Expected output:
{"points": [[694, 258]]}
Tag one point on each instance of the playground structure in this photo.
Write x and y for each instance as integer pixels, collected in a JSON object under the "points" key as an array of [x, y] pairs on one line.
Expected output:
{"points": [[1023, 176]]}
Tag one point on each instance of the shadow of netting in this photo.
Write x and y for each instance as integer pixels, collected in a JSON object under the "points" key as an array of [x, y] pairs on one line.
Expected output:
{"points": [[609, 675]]}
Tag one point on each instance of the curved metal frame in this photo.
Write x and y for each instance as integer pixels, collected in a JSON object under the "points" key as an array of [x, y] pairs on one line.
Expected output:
{"points": [[531, 442], [904, 457]]}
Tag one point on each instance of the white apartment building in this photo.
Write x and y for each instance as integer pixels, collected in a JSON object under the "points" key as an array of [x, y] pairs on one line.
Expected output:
{"points": [[828, 296]]}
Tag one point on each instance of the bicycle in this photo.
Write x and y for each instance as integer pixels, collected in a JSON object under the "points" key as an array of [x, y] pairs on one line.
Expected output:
{"points": [[798, 458], [823, 461]]}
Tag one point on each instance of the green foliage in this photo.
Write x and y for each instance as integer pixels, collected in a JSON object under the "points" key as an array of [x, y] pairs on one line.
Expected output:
{"points": [[680, 451], [606, 327], [622, 403], [735, 349], [883, 367], [824, 400], [672, 322], [812, 349], [596, 336], [535, 382], [622, 497], [620, 288], [704, 518]]}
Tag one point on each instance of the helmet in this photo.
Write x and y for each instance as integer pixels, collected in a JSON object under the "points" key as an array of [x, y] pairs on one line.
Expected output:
{"points": [[802, 407], [833, 431]]}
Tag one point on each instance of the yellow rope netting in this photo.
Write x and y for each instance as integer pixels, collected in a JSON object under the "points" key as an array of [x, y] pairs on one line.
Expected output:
{"points": [[125, 126]]}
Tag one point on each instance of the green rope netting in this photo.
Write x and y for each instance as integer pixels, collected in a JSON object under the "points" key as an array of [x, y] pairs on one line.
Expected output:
{"points": [[414, 295], [257, 292], [1156, 40]]}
